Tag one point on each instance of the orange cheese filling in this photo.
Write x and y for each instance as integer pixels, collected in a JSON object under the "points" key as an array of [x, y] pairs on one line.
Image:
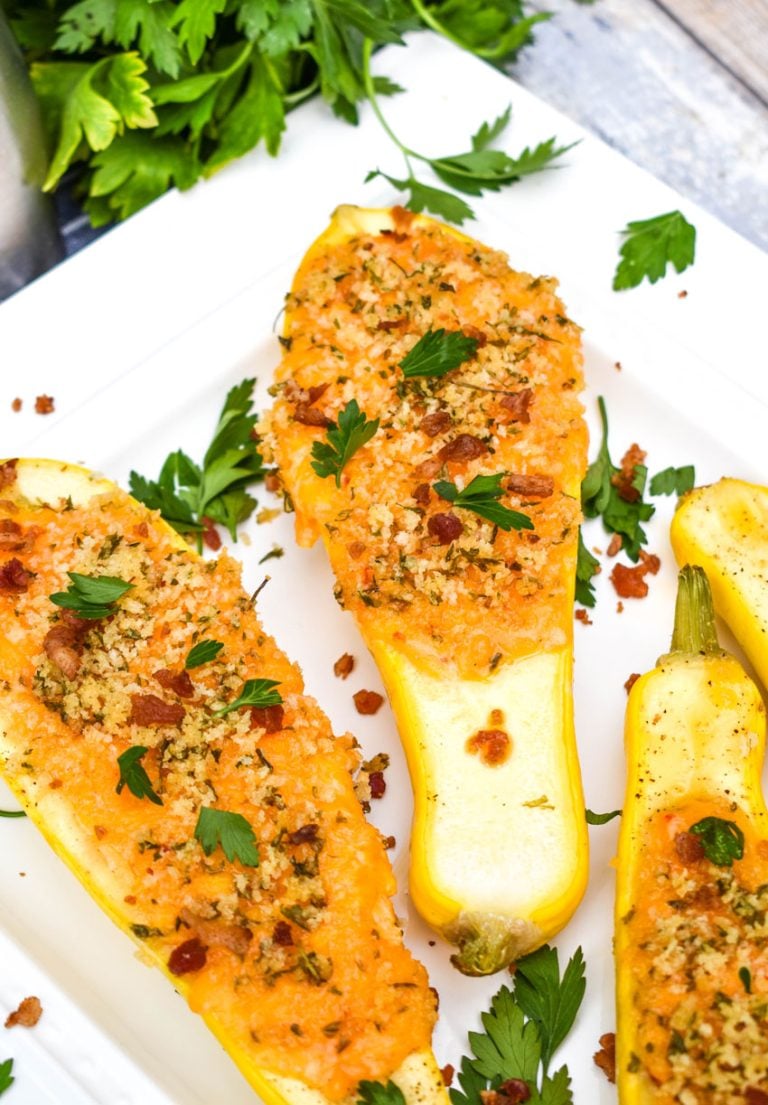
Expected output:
{"points": [[303, 969], [697, 952]]}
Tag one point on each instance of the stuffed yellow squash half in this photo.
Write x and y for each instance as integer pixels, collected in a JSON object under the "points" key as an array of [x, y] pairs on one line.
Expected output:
{"points": [[165, 748], [427, 427], [692, 887]]}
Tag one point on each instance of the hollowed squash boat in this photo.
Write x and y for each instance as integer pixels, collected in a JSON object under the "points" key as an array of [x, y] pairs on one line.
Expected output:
{"points": [[225, 839], [469, 623]]}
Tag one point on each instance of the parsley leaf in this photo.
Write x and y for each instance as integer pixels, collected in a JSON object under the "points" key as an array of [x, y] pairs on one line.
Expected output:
{"points": [[376, 1093], [133, 775], [231, 831], [91, 596], [6, 1078], [484, 170], [185, 492], [587, 566], [745, 976], [480, 496], [673, 481], [650, 245], [722, 841], [601, 818], [548, 1000], [202, 653], [423, 197], [438, 352], [255, 692], [351, 432]]}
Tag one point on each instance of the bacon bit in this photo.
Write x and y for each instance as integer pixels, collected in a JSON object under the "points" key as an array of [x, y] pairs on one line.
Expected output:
{"points": [[518, 405], [462, 448], [11, 536], [367, 702], [378, 784], [617, 366], [8, 472], [55, 784], [27, 1015], [428, 468], [141, 530], [44, 404], [388, 324], [650, 561], [445, 527], [308, 416], [683, 295], [177, 681], [493, 746], [282, 934], [436, 423], [63, 645], [631, 681], [614, 545], [317, 391], [14, 576], [447, 1072], [496, 717], [130, 899], [531, 487], [475, 332], [689, 848], [356, 549], [305, 835], [211, 538], [422, 494], [344, 666], [148, 709], [605, 1058], [514, 1091], [389, 842], [619, 607], [217, 933], [16, 406], [753, 1096], [187, 957], [100, 831], [268, 718], [622, 480], [630, 582], [582, 616], [272, 482]]}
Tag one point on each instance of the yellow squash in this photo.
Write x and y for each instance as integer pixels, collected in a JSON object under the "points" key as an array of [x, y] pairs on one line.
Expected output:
{"points": [[293, 956], [692, 879], [471, 626]]}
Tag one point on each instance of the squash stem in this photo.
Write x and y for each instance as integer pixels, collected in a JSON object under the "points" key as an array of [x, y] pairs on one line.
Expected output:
{"points": [[694, 630]]}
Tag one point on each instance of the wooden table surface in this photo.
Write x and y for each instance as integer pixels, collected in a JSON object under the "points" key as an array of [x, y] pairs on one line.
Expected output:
{"points": [[679, 86]]}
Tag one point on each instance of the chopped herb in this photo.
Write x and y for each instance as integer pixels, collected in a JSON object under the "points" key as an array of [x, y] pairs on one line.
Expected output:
{"points": [[255, 692], [91, 596], [275, 553], [202, 653], [650, 244], [745, 976], [351, 432], [481, 495], [133, 775], [587, 566], [601, 818], [231, 831], [186, 492], [438, 352], [376, 1093], [723, 841], [6, 1078], [673, 481]]}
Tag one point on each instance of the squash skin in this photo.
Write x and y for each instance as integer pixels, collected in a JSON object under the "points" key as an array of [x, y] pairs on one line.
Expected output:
{"points": [[695, 739], [419, 1077], [495, 904]]}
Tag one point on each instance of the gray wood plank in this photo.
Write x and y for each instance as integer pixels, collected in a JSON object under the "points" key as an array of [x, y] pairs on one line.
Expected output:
{"points": [[635, 77]]}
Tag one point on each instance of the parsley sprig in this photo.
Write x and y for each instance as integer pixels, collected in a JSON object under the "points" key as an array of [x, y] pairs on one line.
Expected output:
{"points": [[650, 245], [91, 597], [522, 1031], [481, 496], [134, 776], [376, 1093], [202, 653], [231, 832], [350, 433], [186, 492], [438, 352], [723, 841], [673, 481], [255, 692], [6, 1077]]}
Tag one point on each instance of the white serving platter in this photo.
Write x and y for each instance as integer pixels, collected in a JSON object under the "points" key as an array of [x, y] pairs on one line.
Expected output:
{"points": [[138, 339]]}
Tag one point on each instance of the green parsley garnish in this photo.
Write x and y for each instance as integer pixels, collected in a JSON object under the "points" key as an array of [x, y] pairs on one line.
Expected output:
{"points": [[745, 976], [673, 481], [6, 1078], [600, 497], [587, 566], [437, 352], [649, 245], [255, 692], [523, 1030], [202, 653], [351, 432], [231, 831], [186, 492], [133, 775], [601, 818], [376, 1093], [91, 596], [481, 495], [723, 841]]}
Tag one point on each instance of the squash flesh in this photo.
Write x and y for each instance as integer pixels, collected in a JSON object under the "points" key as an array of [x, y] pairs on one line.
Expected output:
{"points": [[139, 860], [454, 636]]}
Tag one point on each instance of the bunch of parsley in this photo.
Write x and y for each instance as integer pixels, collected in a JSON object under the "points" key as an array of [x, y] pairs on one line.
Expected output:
{"points": [[148, 94]]}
